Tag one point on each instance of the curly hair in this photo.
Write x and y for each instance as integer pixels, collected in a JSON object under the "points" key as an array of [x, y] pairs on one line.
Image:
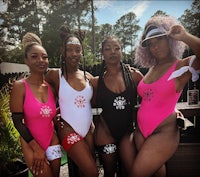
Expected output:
{"points": [[143, 56], [28, 40]]}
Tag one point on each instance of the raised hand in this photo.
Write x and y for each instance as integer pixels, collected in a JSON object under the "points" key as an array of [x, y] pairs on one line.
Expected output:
{"points": [[177, 32]]}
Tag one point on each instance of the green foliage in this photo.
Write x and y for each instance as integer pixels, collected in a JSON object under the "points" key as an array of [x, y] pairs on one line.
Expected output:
{"points": [[126, 29], [10, 147], [159, 12], [44, 18], [15, 55], [65, 12], [191, 18]]}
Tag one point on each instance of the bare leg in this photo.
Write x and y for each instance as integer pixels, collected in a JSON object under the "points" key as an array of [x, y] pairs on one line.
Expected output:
{"points": [[28, 156], [55, 166], [81, 155], [80, 152], [161, 172], [103, 137], [127, 152], [155, 150]]}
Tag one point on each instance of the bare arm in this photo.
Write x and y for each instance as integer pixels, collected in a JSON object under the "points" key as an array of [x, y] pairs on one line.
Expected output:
{"points": [[52, 77], [89, 76], [137, 75], [179, 33], [16, 107], [94, 83]]}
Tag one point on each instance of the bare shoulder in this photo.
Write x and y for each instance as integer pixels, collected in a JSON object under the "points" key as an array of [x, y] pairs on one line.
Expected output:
{"points": [[94, 81], [17, 96], [52, 72], [18, 85], [89, 76], [137, 75], [52, 75]]}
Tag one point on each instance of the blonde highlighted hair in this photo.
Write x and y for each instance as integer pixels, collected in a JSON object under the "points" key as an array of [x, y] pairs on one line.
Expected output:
{"points": [[143, 56], [28, 40]]}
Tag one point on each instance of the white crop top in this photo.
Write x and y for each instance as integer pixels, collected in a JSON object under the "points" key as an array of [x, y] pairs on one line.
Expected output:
{"points": [[75, 106]]}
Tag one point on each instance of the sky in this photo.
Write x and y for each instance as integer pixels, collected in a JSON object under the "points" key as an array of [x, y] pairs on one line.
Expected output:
{"points": [[109, 11]]}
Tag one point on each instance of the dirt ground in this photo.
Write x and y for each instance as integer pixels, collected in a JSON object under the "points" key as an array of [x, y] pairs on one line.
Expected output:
{"points": [[64, 171]]}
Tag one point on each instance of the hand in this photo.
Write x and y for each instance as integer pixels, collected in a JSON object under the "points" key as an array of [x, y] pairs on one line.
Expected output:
{"points": [[39, 158], [177, 32], [62, 127], [179, 113], [58, 121], [130, 68]]}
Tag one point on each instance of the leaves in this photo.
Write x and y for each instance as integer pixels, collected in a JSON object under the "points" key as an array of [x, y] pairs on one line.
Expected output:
{"points": [[44, 18], [191, 18], [10, 148]]}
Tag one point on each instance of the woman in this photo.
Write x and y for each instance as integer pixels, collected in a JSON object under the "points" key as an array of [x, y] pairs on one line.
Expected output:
{"points": [[33, 108], [160, 49], [74, 95], [116, 95]]}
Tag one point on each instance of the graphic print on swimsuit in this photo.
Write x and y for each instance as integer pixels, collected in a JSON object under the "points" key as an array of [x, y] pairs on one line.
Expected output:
{"points": [[119, 102], [80, 101], [45, 111]]}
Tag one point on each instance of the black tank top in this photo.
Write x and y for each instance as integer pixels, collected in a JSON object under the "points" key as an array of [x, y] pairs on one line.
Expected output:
{"points": [[117, 110]]}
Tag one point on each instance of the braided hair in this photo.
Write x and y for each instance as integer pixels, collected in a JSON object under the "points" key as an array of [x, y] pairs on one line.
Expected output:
{"points": [[65, 34], [129, 83]]}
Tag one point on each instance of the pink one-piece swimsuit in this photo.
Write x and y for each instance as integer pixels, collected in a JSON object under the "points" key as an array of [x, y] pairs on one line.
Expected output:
{"points": [[38, 116], [158, 102]]}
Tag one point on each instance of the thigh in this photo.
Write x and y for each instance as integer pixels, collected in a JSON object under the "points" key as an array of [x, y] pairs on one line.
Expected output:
{"points": [[28, 156], [102, 138], [81, 155], [55, 166], [89, 139], [155, 151], [63, 128], [102, 135], [56, 162], [127, 151], [54, 140], [138, 139], [27, 152]]}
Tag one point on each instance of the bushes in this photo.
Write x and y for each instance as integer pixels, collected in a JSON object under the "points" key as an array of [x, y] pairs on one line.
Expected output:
{"points": [[10, 147]]}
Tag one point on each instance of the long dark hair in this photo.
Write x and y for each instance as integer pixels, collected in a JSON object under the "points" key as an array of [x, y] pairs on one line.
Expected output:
{"points": [[129, 83]]}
